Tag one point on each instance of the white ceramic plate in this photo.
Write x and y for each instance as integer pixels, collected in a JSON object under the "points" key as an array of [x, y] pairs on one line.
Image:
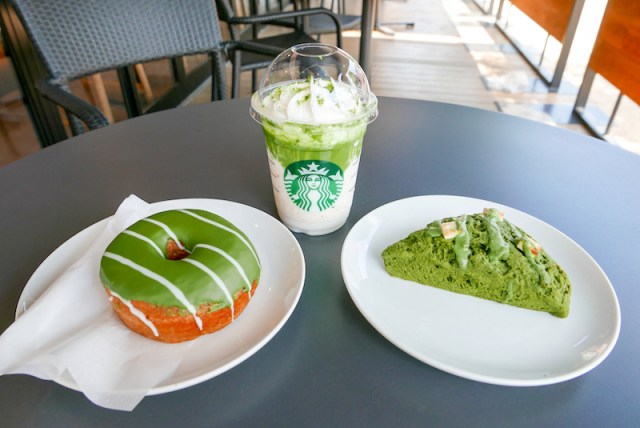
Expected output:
{"points": [[281, 282], [471, 337]]}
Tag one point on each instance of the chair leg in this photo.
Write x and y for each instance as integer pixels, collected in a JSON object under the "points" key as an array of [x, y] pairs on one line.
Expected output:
{"points": [[235, 74], [129, 94], [218, 73], [214, 84], [215, 92], [254, 80]]}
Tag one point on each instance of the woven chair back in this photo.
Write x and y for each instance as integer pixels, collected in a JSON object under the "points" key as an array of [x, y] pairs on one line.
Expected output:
{"points": [[81, 37]]}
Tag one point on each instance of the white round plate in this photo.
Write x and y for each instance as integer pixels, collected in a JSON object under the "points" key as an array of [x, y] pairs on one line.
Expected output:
{"points": [[281, 282], [471, 337]]}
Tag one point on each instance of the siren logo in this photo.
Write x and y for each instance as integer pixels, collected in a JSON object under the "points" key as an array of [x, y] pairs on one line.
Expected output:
{"points": [[314, 185]]}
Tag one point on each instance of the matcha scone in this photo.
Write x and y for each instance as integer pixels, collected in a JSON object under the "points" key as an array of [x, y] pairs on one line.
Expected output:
{"points": [[482, 255]]}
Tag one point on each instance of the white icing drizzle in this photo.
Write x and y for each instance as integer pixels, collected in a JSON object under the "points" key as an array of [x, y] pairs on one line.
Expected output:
{"points": [[228, 229], [137, 313], [233, 261], [145, 239], [216, 279], [177, 293], [166, 229]]}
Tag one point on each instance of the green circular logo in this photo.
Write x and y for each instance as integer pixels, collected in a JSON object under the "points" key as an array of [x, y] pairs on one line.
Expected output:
{"points": [[313, 185]]}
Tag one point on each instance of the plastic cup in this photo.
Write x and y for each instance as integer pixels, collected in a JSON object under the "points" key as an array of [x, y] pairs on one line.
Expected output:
{"points": [[314, 105]]}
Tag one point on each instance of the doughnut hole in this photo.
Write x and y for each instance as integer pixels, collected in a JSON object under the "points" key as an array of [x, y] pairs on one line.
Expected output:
{"points": [[174, 252]]}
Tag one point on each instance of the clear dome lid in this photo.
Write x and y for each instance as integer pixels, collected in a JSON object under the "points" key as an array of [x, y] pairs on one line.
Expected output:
{"points": [[314, 83]]}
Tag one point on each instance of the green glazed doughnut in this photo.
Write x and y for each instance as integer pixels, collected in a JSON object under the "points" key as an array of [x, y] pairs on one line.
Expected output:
{"points": [[178, 274]]}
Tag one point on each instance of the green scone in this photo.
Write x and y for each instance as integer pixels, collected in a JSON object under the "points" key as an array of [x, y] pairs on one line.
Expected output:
{"points": [[482, 255]]}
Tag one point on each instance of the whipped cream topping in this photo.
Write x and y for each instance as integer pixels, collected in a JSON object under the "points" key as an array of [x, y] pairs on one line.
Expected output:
{"points": [[314, 102]]}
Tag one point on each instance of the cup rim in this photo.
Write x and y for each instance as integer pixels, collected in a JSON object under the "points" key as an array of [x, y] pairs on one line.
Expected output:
{"points": [[331, 49]]}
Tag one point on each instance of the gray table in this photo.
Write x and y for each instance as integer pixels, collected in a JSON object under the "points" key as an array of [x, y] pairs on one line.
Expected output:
{"points": [[328, 366]]}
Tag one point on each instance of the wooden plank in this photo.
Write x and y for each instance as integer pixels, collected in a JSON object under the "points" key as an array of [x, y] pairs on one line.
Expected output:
{"points": [[552, 15], [616, 53]]}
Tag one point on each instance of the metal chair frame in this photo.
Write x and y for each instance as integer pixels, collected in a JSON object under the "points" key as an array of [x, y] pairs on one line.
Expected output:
{"points": [[257, 52], [76, 38]]}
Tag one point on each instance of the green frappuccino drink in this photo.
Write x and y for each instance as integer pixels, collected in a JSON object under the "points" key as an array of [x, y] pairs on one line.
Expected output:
{"points": [[314, 105]]}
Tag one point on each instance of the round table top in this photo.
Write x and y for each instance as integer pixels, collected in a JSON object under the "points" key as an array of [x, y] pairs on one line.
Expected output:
{"points": [[328, 365]]}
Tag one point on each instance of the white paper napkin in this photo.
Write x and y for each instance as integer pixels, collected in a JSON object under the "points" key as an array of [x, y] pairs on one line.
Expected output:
{"points": [[72, 328]]}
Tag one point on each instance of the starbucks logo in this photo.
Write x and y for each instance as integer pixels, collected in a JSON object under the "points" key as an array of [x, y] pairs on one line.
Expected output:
{"points": [[315, 185]]}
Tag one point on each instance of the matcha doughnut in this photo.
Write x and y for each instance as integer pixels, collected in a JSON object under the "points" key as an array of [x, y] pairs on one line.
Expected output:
{"points": [[179, 274]]}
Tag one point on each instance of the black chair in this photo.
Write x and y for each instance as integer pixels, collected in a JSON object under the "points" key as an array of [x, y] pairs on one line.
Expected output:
{"points": [[321, 24], [258, 52], [77, 38]]}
